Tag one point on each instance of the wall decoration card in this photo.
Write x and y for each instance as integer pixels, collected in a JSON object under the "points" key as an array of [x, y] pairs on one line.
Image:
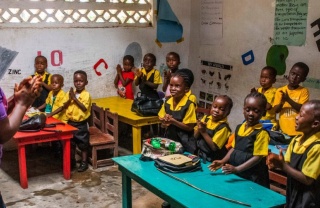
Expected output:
{"points": [[214, 80]]}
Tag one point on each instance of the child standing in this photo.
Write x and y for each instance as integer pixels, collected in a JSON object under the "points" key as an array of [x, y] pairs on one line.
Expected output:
{"points": [[41, 64], [173, 62], [302, 159], [56, 99], [178, 112], [247, 157], [148, 78], [78, 110], [289, 99], [267, 78], [124, 78], [213, 131]]}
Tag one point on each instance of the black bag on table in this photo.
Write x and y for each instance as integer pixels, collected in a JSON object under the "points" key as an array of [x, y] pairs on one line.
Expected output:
{"points": [[192, 165], [145, 106], [36, 123], [33, 123]]}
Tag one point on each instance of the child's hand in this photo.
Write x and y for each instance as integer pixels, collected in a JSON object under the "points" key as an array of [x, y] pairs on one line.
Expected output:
{"points": [[228, 169], [285, 97], [71, 94], [202, 126], [27, 91], [253, 90], [275, 161], [119, 69], [139, 73], [215, 165], [167, 75]]}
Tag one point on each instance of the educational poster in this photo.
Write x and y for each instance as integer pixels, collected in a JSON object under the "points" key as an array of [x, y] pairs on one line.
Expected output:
{"points": [[211, 21], [290, 22], [214, 80]]}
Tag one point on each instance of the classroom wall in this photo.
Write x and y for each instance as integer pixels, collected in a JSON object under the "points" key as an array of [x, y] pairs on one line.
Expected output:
{"points": [[77, 48], [248, 25]]}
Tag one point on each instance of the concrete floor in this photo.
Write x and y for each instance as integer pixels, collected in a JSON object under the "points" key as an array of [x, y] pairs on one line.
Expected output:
{"points": [[47, 187]]}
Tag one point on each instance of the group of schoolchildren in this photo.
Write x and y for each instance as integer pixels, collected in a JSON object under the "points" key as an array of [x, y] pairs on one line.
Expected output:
{"points": [[73, 107], [245, 152]]}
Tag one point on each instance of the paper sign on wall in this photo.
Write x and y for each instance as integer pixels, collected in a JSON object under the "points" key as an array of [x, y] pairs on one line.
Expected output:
{"points": [[211, 22], [290, 22]]}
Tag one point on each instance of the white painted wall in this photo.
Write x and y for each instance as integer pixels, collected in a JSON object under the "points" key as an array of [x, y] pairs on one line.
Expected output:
{"points": [[82, 48], [248, 25]]}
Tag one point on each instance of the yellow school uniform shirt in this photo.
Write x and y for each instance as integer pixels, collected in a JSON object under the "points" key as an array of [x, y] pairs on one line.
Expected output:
{"points": [[288, 114], [311, 166], [262, 141], [156, 78], [56, 103], [74, 113], [44, 76], [221, 136], [190, 116], [269, 94]]}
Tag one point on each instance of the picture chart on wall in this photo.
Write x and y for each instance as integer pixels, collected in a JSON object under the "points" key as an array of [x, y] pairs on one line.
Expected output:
{"points": [[214, 80]]}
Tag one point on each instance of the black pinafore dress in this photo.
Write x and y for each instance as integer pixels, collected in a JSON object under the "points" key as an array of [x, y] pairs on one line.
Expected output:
{"points": [[298, 194], [204, 151], [147, 90], [173, 132], [243, 151]]}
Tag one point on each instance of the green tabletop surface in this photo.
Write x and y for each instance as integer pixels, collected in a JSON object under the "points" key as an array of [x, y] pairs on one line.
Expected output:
{"points": [[183, 195]]}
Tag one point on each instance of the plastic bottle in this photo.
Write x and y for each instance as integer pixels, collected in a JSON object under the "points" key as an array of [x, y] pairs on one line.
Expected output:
{"points": [[155, 142], [172, 146]]}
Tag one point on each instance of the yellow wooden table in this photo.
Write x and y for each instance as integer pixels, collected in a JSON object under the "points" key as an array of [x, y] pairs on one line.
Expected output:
{"points": [[123, 108]]}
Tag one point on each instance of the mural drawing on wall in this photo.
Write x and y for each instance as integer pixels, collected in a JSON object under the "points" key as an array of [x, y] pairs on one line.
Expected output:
{"points": [[214, 81], [248, 58], [276, 57], [317, 33], [134, 49], [95, 67], [290, 22], [6, 58]]}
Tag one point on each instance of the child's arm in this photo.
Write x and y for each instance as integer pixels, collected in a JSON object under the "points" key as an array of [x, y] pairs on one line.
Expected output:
{"points": [[286, 98], [48, 87], [58, 110], [166, 80], [150, 84], [124, 82], [217, 164], [42, 106], [228, 169], [275, 161]]}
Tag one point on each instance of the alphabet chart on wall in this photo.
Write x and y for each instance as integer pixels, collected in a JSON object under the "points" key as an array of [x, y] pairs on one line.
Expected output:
{"points": [[214, 80]]}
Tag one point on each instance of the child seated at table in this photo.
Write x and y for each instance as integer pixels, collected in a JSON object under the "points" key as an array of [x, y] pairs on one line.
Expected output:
{"points": [[302, 159], [78, 110], [247, 157], [178, 113], [213, 131]]}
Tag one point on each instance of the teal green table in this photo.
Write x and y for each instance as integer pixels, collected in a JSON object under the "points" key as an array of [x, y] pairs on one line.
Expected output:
{"points": [[179, 194]]}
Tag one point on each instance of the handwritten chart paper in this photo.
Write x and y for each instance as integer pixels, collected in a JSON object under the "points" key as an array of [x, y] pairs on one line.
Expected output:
{"points": [[211, 22], [290, 22]]}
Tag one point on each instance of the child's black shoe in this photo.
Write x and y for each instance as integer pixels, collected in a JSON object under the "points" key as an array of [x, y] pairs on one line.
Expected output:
{"points": [[83, 166]]}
